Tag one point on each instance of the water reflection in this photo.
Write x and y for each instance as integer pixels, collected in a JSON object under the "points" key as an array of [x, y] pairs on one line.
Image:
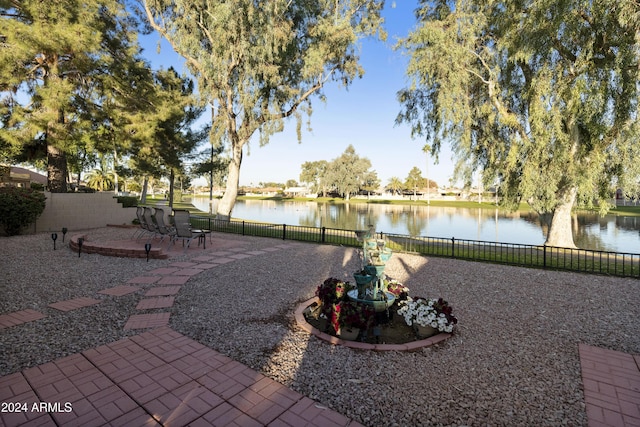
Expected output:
{"points": [[612, 233]]}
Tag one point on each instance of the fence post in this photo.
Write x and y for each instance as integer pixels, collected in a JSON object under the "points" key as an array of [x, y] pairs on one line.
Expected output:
{"points": [[284, 231], [243, 227], [544, 256], [453, 247], [322, 234]]}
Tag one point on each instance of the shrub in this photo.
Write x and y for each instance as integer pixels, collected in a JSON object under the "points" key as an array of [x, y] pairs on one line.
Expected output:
{"points": [[19, 207], [128, 201]]}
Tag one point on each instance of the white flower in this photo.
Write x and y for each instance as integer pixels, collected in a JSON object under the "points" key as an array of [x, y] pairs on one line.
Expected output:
{"points": [[424, 313]]}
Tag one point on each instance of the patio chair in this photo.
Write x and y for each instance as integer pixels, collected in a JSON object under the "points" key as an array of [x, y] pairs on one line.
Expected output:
{"points": [[182, 224], [140, 217], [150, 221], [144, 227], [163, 229]]}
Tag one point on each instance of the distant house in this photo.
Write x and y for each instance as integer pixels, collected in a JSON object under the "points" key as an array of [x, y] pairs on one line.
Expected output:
{"points": [[261, 191], [297, 192], [12, 176]]}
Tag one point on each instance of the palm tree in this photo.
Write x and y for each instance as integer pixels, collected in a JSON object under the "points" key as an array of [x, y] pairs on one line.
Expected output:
{"points": [[101, 180], [395, 185]]}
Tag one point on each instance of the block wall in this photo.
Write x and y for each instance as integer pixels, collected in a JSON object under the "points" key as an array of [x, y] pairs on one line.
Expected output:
{"points": [[78, 211]]}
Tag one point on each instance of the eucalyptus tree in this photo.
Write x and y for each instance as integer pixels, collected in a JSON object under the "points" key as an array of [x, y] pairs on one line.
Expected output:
{"points": [[51, 56], [348, 173], [258, 63], [541, 96], [369, 182], [314, 174]]}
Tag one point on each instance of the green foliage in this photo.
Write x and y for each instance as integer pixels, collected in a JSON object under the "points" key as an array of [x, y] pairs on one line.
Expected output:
{"points": [[68, 70], [19, 207], [346, 175], [542, 97], [260, 62], [128, 201], [395, 185], [313, 173], [349, 173], [414, 180], [212, 165], [100, 179], [165, 136]]}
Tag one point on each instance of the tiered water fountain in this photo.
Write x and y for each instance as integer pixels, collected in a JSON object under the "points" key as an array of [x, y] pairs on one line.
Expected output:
{"points": [[370, 280], [368, 311]]}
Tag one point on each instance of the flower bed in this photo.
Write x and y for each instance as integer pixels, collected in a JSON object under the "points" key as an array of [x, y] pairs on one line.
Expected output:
{"points": [[333, 310]]}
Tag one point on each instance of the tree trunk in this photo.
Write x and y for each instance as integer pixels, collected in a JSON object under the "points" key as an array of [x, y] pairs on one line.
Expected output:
{"points": [[143, 194], [116, 186], [172, 179], [211, 184], [560, 232], [225, 206], [56, 170]]}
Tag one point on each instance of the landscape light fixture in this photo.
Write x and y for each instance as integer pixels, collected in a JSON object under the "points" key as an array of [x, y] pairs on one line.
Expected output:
{"points": [[54, 237], [64, 231], [147, 249], [80, 242]]}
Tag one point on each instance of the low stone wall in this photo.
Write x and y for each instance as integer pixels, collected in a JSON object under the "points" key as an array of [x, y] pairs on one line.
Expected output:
{"points": [[80, 211]]}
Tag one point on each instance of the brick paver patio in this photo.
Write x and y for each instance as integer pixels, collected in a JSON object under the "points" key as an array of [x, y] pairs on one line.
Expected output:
{"points": [[155, 302], [146, 321], [611, 381], [162, 291], [119, 291], [18, 317], [159, 377], [74, 304]]}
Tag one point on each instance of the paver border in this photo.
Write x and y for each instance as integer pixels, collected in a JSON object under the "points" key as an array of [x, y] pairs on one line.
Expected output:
{"points": [[414, 345]]}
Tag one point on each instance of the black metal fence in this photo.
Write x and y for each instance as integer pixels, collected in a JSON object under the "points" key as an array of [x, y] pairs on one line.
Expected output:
{"points": [[548, 257]]}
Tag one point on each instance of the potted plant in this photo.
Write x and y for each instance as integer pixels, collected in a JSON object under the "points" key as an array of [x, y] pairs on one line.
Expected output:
{"points": [[349, 317], [428, 316]]}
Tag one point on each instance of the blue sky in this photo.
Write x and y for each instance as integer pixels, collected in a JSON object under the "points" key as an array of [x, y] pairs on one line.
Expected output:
{"points": [[362, 115]]}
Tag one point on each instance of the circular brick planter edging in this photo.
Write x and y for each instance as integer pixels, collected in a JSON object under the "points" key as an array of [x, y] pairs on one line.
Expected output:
{"points": [[112, 249], [413, 345]]}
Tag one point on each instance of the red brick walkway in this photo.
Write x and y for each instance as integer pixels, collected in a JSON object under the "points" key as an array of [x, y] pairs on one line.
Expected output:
{"points": [[611, 382], [18, 317], [156, 378]]}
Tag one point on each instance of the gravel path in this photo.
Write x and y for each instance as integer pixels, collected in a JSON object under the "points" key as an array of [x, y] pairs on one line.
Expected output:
{"points": [[513, 359]]}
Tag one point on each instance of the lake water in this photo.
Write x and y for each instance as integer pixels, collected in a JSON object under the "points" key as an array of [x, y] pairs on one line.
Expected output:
{"points": [[609, 233]]}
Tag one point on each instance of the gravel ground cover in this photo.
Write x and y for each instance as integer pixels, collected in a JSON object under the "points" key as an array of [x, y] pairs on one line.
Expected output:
{"points": [[513, 359]]}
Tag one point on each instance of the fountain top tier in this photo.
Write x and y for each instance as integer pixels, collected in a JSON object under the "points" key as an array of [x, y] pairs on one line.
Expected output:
{"points": [[372, 289]]}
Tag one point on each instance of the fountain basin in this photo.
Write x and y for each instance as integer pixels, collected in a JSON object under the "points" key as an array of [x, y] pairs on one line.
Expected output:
{"points": [[379, 305]]}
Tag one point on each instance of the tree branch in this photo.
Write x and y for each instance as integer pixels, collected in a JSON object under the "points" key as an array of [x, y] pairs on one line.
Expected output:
{"points": [[162, 31]]}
